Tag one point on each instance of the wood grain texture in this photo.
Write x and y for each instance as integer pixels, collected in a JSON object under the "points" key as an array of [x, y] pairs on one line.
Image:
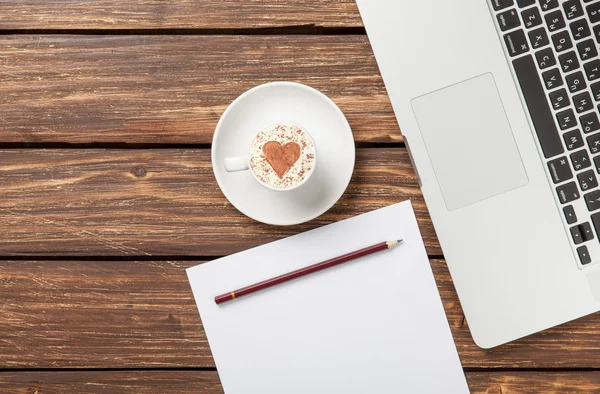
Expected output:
{"points": [[99, 315], [162, 202], [160, 14], [534, 382], [92, 314], [120, 382], [173, 89], [207, 382]]}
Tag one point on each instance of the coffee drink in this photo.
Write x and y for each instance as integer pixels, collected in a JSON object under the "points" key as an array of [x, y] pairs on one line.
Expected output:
{"points": [[282, 156]]}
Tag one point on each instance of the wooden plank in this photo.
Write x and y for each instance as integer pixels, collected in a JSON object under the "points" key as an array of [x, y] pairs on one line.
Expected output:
{"points": [[173, 89], [207, 382], [114, 382], [85, 314], [534, 382], [99, 315], [186, 14], [72, 202]]}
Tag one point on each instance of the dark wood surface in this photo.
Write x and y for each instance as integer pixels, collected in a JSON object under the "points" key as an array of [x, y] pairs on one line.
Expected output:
{"points": [[141, 314], [181, 14], [173, 89], [107, 111], [144, 202]]}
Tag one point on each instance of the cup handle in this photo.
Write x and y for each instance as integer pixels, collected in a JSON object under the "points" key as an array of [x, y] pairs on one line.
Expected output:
{"points": [[235, 164]]}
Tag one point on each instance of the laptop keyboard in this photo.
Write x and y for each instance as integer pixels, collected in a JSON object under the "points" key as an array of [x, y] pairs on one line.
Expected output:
{"points": [[553, 48]]}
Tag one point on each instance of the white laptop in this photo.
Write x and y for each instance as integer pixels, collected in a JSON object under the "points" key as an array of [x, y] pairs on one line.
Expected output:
{"points": [[498, 104]]}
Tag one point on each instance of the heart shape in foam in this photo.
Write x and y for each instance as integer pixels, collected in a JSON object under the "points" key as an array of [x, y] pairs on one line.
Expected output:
{"points": [[281, 158]]}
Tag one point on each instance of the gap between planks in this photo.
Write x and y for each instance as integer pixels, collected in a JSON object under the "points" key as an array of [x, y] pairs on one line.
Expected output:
{"points": [[157, 146], [265, 31]]}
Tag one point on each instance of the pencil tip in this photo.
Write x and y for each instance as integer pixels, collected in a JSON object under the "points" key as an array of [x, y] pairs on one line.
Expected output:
{"points": [[400, 241], [394, 243]]}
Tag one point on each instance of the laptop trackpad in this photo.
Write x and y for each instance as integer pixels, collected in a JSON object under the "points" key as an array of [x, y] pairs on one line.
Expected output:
{"points": [[469, 141]]}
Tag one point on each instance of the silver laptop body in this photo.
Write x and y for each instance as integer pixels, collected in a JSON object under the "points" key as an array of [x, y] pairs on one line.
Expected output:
{"points": [[500, 113]]}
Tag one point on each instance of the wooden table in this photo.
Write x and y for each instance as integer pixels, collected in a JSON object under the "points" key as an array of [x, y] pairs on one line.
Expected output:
{"points": [[107, 110]]}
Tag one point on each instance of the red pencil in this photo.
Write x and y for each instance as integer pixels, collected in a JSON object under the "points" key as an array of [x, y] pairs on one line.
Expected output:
{"points": [[305, 271]]}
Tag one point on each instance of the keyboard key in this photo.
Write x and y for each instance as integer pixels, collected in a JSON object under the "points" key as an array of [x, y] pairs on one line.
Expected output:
{"points": [[573, 139], [568, 62], [562, 41], [580, 29], [566, 119], [592, 70], [508, 20], [589, 122], [502, 4], [559, 99], [560, 170], [567, 192], [596, 90], [584, 255], [576, 235], [555, 21], [548, 5], [580, 160], [573, 9], [597, 164], [593, 142], [576, 82], [525, 3], [516, 43], [583, 102], [570, 216], [586, 231], [541, 115], [587, 180], [552, 79], [538, 38], [597, 33], [545, 58], [592, 200], [587, 50], [531, 17], [593, 12]]}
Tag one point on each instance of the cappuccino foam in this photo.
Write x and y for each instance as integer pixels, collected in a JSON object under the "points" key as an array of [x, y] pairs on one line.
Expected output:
{"points": [[278, 136]]}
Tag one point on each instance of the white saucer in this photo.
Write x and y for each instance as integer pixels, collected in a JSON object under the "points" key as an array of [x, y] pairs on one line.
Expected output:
{"points": [[284, 102]]}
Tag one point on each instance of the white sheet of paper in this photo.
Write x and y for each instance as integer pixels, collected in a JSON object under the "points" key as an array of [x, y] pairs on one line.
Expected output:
{"points": [[373, 325]]}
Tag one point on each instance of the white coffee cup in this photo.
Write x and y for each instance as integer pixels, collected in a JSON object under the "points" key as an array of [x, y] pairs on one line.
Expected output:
{"points": [[283, 134]]}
